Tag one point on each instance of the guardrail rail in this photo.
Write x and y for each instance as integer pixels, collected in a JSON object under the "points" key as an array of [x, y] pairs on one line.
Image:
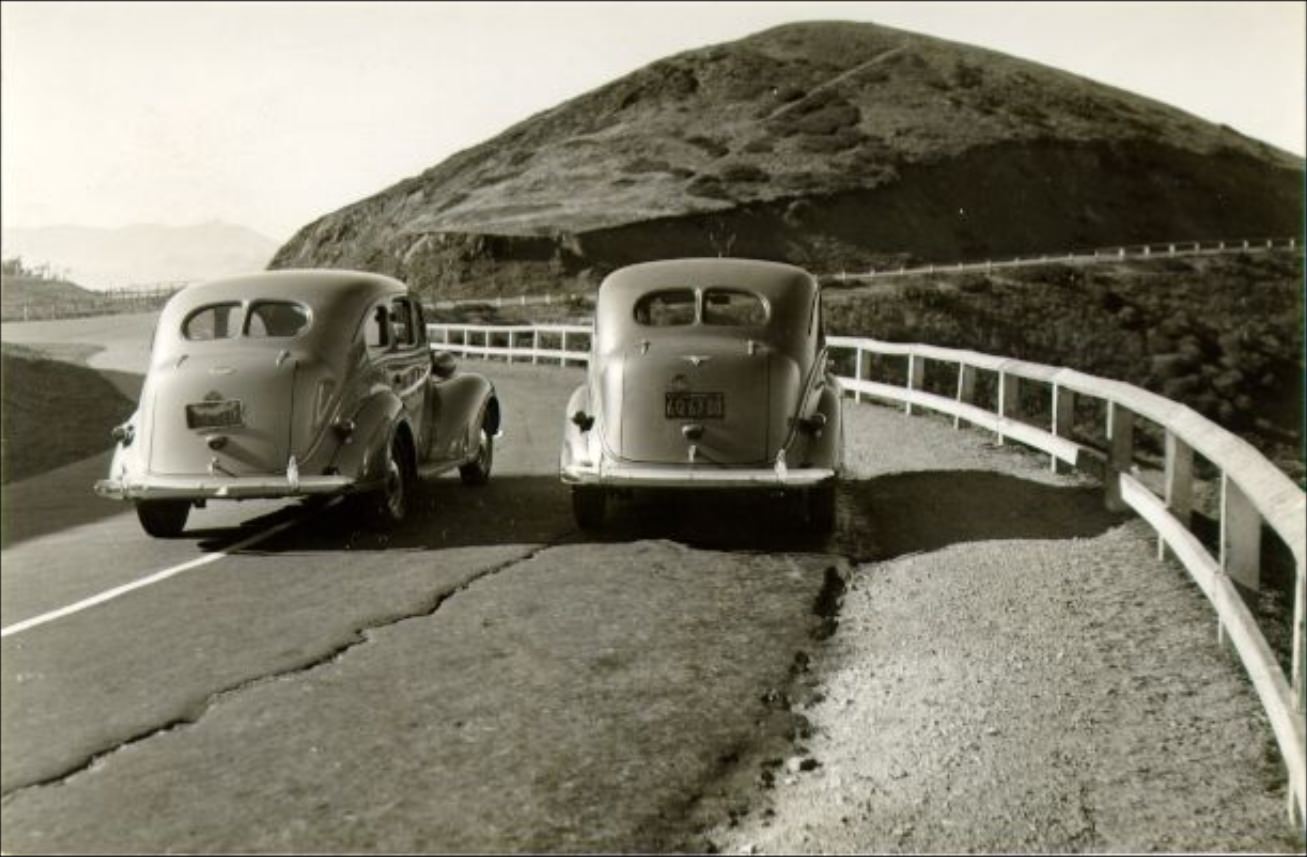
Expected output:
{"points": [[1253, 491]]}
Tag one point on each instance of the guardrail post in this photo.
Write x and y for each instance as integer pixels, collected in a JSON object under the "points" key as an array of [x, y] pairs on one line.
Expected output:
{"points": [[512, 341], [1064, 418], [1009, 399], [1241, 535], [535, 345], [966, 389], [1299, 666], [1179, 484], [916, 376], [857, 371], [1121, 453], [562, 361]]}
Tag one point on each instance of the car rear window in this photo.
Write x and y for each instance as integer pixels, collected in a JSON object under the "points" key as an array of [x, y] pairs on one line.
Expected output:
{"points": [[668, 308], [733, 307], [276, 319], [215, 321]]}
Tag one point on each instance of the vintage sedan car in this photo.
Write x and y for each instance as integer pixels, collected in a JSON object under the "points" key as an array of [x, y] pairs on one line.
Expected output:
{"points": [[706, 374], [297, 384]]}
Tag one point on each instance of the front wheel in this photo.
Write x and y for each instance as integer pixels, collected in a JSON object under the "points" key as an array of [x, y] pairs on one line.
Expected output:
{"points": [[588, 506], [477, 471], [163, 519]]}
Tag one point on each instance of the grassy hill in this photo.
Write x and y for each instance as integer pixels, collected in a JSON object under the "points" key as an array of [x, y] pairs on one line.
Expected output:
{"points": [[18, 291], [1223, 334], [829, 144], [53, 412]]}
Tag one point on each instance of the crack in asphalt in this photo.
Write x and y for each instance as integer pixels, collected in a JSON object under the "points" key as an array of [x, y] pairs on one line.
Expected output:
{"points": [[194, 713]]}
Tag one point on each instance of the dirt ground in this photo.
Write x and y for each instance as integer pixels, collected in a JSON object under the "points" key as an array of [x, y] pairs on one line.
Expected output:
{"points": [[1021, 695]]}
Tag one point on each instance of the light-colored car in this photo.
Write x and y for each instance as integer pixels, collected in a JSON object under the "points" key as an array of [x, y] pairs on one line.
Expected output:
{"points": [[706, 374], [295, 384]]}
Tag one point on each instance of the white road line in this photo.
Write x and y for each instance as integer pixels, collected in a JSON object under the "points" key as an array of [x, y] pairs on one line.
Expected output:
{"points": [[109, 594]]}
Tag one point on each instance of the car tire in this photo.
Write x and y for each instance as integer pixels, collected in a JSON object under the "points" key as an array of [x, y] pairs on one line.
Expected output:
{"points": [[390, 505], [588, 506], [163, 519], [477, 471], [821, 507]]}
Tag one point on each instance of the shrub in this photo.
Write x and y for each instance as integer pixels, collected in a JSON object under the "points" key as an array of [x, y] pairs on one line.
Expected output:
{"points": [[716, 148], [709, 187], [740, 172]]}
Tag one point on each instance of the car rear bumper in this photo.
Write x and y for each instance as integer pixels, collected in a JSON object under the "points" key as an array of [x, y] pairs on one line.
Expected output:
{"points": [[222, 488], [698, 476]]}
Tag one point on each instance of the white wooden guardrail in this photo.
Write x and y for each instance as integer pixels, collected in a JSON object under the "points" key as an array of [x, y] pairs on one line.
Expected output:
{"points": [[530, 343], [1253, 490]]}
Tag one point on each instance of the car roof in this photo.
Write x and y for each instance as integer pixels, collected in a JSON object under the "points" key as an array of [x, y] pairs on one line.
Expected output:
{"points": [[771, 279], [789, 290], [337, 299], [320, 288]]}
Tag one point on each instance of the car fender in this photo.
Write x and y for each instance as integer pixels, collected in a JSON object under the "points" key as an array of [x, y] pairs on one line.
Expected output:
{"points": [[376, 419], [827, 448], [578, 446], [129, 459], [465, 400]]}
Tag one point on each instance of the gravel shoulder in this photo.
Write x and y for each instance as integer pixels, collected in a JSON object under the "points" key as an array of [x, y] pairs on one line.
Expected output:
{"points": [[1065, 693]]}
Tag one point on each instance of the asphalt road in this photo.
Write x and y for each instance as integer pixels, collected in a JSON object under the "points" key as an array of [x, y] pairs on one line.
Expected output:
{"points": [[487, 678], [482, 679]]}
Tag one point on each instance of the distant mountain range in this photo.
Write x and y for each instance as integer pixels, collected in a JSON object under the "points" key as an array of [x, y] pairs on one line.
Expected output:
{"points": [[829, 144], [140, 254]]}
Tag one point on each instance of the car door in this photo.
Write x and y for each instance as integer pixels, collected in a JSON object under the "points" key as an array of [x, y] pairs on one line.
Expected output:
{"points": [[408, 365]]}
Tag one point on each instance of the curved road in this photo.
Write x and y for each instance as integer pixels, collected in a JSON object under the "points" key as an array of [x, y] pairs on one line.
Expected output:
{"points": [[486, 678]]}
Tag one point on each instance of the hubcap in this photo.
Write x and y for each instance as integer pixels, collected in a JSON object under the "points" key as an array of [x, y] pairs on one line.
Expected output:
{"points": [[394, 487]]}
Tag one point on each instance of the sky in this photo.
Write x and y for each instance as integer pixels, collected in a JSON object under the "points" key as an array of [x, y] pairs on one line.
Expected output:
{"points": [[270, 115]]}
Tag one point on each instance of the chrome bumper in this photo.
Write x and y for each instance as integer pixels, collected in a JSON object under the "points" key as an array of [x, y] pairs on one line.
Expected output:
{"points": [[222, 488], [687, 476]]}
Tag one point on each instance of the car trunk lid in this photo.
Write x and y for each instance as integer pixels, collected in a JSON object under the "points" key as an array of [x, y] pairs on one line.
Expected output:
{"points": [[224, 414], [714, 396]]}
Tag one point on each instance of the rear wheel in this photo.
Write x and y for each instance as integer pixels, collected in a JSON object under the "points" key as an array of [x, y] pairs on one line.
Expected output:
{"points": [[163, 519], [390, 505], [588, 505], [477, 471]]}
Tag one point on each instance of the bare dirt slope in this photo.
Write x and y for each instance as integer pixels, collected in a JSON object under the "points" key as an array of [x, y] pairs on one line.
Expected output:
{"points": [[830, 144]]}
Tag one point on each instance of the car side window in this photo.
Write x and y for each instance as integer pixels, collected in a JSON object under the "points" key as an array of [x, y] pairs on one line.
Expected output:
{"points": [[401, 323], [276, 319], [376, 327], [216, 321], [669, 308]]}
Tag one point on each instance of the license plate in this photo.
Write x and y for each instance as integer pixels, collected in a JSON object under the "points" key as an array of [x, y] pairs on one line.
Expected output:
{"points": [[695, 406], [214, 414]]}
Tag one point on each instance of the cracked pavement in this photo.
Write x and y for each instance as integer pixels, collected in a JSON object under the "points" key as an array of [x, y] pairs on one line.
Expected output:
{"points": [[485, 678]]}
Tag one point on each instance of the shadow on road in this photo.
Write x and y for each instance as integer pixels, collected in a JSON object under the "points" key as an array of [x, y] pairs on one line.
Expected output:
{"points": [[916, 512], [876, 519]]}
